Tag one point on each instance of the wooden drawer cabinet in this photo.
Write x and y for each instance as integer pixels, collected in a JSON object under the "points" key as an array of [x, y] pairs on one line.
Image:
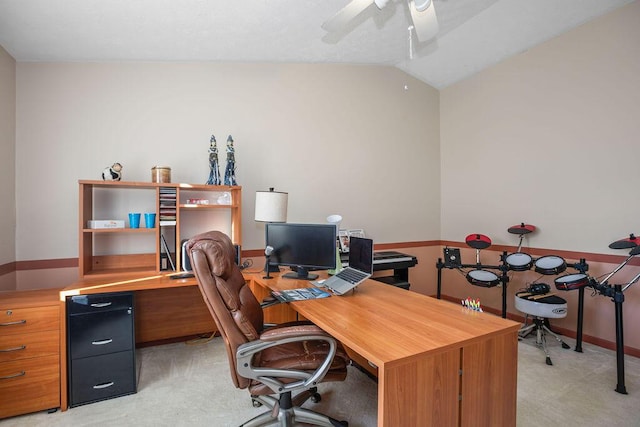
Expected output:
{"points": [[29, 352]]}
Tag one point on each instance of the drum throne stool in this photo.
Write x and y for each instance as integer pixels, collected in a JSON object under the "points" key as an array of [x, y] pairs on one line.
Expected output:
{"points": [[540, 307]]}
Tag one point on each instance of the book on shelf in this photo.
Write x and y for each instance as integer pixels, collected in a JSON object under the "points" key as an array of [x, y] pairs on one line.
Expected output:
{"points": [[167, 252], [166, 223]]}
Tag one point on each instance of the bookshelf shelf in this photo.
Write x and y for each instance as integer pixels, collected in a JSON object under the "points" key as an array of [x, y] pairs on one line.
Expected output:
{"points": [[118, 230], [106, 252]]}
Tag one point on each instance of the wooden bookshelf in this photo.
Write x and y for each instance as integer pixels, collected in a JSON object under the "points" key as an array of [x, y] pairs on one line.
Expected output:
{"points": [[96, 195]]}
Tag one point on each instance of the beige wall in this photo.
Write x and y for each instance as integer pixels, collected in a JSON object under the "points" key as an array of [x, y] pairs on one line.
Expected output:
{"points": [[551, 138], [340, 139], [7, 157]]}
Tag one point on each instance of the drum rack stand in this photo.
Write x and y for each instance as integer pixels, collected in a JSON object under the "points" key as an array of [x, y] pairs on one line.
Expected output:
{"points": [[504, 278], [581, 267], [616, 293]]}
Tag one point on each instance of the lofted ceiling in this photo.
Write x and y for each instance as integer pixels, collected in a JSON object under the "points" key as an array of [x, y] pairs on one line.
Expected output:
{"points": [[473, 35]]}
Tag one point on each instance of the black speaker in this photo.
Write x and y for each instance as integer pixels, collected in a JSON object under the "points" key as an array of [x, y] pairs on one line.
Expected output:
{"points": [[452, 257], [238, 257]]}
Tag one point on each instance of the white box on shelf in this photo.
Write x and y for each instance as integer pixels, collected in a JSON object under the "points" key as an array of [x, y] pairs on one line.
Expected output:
{"points": [[107, 223]]}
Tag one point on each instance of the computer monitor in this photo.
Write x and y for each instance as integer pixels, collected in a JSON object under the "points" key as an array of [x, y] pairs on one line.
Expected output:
{"points": [[303, 247]]}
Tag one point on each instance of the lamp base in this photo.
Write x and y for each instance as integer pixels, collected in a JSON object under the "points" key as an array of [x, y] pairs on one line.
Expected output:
{"points": [[271, 268], [338, 265]]}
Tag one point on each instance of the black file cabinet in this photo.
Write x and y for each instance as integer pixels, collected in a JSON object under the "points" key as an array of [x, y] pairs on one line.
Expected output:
{"points": [[100, 347]]}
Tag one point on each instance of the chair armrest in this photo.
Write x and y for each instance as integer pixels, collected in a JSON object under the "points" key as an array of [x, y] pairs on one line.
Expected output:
{"points": [[294, 330], [279, 336]]}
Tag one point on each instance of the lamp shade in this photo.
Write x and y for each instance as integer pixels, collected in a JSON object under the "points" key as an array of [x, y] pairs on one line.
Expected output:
{"points": [[271, 206]]}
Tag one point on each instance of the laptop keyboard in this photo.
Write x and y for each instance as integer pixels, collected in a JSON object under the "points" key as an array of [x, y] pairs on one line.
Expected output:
{"points": [[351, 275]]}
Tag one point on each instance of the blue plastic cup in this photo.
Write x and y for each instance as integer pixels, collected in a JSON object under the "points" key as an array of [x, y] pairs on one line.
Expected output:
{"points": [[134, 220], [149, 220]]}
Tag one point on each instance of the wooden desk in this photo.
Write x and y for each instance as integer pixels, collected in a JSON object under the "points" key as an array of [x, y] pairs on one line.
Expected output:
{"points": [[439, 364]]}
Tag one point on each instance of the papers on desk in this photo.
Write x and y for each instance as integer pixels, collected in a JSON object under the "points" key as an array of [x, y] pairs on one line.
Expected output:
{"points": [[300, 294]]}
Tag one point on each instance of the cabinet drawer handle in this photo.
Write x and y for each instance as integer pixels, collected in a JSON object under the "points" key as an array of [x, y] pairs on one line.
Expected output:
{"points": [[18, 322], [102, 342], [100, 304], [105, 385], [19, 374], [6, 350]]}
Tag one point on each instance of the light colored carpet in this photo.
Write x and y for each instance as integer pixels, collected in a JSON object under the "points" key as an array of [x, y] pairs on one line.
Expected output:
{"points": [[189, 385]]}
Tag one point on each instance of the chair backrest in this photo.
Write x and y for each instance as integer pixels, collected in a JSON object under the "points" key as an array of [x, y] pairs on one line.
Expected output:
{"points": [[234, 308]]}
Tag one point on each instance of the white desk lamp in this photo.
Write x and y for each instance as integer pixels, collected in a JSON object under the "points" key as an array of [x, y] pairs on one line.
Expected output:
{"points": [[271, 206]]}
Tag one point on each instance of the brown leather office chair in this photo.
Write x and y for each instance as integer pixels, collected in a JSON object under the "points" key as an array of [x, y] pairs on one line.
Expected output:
{"points": [[279, 360]]}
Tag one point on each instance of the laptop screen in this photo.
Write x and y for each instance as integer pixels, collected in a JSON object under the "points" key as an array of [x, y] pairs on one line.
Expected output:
{"points": [[361, 254]]}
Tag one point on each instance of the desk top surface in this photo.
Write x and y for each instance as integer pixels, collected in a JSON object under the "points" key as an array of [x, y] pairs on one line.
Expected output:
{"points": [[124, 283], [29, 298], [386, 324]]}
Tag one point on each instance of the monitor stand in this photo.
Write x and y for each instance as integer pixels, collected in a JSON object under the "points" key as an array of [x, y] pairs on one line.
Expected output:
{"points": [[301, 274]]}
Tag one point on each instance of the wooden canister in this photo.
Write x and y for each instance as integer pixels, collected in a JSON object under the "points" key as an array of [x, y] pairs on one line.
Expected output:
{"points": [[160, 174]]}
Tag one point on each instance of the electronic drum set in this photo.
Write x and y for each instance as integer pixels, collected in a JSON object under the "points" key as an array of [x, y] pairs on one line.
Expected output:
{"points": [[488, 276]]}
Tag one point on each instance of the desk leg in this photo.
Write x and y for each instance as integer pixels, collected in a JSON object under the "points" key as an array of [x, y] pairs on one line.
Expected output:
{"points": [[489, 381], [420, 392]]}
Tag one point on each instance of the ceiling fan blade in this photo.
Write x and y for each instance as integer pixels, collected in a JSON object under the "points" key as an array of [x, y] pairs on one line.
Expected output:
{"points": [[425, 23], [346, 14]]}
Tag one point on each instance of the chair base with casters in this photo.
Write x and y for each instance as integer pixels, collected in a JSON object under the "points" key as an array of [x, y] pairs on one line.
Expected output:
{"points": [[540, 307], [286, 411], [267, 376]]}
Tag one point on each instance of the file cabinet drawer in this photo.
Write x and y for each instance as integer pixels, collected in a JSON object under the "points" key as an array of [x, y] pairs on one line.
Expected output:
{"points": [[80, 304], [24, 346], [102, 377], [100, 333]]}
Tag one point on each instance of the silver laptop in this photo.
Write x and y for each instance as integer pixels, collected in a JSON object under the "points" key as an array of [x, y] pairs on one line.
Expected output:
{"points": [[360, 267]]}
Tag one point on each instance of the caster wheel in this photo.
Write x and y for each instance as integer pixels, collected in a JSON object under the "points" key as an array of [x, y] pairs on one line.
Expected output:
{"points": [[549, 361], [315, 398], [565, 345]]}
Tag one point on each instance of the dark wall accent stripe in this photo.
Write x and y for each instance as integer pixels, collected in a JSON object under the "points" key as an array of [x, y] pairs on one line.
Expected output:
{"points": [[589, 256], [40, 264], [570, 255], [7, 268], [378, 246]]}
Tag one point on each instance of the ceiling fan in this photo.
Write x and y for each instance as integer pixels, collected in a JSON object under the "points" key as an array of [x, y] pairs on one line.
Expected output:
{"points": [[423, 16]]}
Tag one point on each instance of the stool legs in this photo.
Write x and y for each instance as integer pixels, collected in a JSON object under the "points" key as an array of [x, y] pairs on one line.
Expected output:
{"points": [[541, 335]]}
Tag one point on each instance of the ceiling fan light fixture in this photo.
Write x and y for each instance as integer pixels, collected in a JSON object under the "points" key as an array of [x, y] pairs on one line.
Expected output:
{"points": [[422, 5], [423, 16], [425, 22]]}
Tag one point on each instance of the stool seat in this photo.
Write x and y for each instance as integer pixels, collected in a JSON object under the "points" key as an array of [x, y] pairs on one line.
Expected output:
{"points": [[540, 307], [550, 307]]}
